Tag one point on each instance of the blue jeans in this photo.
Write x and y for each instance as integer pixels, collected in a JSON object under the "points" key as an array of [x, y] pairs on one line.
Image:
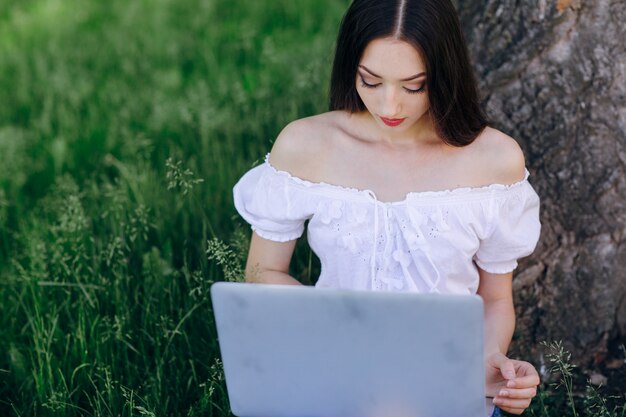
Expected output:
{"points": [[496, 412]]}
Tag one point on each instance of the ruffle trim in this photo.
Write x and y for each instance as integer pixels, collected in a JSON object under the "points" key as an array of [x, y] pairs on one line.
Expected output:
{"points": [[277, 237], [497, 267], [410, 195]]}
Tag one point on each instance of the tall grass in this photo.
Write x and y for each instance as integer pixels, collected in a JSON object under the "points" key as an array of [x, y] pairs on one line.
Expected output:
{"points": [[123, 126]]}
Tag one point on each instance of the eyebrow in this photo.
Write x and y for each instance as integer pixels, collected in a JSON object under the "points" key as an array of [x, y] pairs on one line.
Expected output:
{"points": [[404, 79]]}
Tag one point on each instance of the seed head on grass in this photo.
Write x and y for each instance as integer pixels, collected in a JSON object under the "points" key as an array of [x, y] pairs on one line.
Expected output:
{"points": [[560, 358], [596, 405], [132, 400], [215, 389], [228, 259], [216, 380], [138, 225], [199, 286], [56, 401], [179, 178]]}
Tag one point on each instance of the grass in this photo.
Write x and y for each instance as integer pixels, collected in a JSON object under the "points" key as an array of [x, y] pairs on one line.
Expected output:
{"points": [[123, 126], [562, 398]]}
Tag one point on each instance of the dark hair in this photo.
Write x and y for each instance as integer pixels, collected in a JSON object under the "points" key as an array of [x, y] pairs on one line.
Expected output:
{"points": [[433, 28]]}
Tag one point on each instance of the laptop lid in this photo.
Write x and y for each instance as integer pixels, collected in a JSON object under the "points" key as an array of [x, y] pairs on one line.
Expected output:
{"points": [[291, 351]]}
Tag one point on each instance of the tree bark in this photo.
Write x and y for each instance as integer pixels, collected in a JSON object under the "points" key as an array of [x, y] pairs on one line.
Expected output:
{"points": [[553, 76]]}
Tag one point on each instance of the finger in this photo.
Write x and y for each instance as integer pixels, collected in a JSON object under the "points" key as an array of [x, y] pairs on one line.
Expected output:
{"points": [[507, 369], [516, 411], [505, 365], [518, 393], [527, 381], [511, 403], [524, 368]]}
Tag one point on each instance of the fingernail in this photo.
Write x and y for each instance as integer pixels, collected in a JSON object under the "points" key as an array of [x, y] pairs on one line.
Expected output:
{"points": [[509, 375], [510, 384], [504, 393]]}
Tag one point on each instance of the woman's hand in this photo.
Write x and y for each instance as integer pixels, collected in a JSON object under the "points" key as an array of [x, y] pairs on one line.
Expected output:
{"points": [[512, 383]]}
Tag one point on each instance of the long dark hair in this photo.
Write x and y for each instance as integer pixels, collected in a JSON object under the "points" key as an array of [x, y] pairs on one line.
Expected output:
{"points": [[433, 28]]}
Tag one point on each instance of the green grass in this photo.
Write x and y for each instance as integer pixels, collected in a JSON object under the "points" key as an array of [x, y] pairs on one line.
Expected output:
{"points": [[123, 127]]}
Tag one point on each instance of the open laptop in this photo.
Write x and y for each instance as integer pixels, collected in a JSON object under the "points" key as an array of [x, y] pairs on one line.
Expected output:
{"points": [[291, 351]]}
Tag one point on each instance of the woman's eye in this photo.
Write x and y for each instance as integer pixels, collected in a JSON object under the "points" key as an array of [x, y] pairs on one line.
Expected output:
{"points": [[408, 90], [419, 90], [366, 85]]}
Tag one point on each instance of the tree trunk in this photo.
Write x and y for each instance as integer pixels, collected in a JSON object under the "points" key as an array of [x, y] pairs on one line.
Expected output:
{"points": [[553, 76]]}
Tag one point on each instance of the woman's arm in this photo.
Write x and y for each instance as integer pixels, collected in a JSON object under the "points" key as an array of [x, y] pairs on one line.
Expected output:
{"points": [[268, 261], [496, 291], [511, 382]]}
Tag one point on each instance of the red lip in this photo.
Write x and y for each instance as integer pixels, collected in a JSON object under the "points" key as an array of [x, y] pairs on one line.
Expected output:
{"points": [[392, 122]]}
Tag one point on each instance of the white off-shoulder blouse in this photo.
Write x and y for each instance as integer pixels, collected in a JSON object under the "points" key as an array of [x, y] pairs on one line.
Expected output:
{"points": [[429, 242]]}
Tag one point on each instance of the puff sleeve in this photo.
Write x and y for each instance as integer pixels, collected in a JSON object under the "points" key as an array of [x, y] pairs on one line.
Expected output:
{"points": [[271, 203], [513, 232]]}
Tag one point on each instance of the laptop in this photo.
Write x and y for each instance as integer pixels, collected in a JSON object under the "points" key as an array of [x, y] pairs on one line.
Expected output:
{"points": [[299, 351]]}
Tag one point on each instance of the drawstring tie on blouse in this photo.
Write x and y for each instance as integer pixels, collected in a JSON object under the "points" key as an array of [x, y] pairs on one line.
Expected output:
{"points": [[425, 276]]}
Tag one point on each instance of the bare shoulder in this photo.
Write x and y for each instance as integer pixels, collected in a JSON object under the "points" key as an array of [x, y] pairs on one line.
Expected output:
{"points": [[500, 157], [302, 144]]}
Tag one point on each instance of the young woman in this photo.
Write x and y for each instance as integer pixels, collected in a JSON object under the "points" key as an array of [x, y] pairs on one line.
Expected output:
{"points": [[404, 184]]}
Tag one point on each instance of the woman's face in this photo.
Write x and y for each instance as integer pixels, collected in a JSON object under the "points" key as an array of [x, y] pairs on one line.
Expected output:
{"points": [[391, 81]]}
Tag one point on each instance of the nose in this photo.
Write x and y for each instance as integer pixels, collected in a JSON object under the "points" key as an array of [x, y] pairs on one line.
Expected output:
{"points": [[391, 104]]}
